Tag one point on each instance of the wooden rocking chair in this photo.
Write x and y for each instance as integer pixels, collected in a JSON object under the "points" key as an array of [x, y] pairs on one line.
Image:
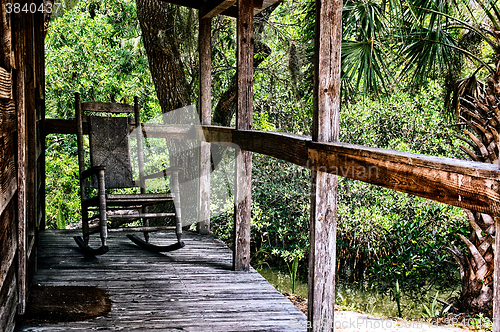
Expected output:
{"points": [[111, 168]]}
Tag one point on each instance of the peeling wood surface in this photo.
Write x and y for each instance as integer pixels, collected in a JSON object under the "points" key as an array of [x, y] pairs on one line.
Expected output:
{"points": [[5, 84], [323, 216], [244, 118], [8, 242], [8, 299], [191, 289], [107, 107], [288, 147], [469, 185]]}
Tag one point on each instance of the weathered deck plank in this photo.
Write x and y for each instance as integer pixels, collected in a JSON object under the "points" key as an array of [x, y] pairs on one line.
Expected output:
{"points": [[191, 289]]}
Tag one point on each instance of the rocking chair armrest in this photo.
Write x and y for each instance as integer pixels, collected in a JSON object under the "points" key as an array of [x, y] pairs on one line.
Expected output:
{"points": [[92, 171], [163, 173]]}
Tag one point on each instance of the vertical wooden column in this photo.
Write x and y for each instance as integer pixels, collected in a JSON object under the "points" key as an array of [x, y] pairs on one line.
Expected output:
{"points": [[323, 224], [242, 211], [31, 81], [496, 278], [40, 114], [205, 50], [19, 29]]}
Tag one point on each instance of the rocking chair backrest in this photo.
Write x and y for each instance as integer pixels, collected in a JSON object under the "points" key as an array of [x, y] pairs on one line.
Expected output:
{"points": [[109, 141], [109, 147]]}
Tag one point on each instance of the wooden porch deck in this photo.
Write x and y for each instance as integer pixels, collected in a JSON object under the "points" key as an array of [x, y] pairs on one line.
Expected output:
{"points": [[191, 289]]}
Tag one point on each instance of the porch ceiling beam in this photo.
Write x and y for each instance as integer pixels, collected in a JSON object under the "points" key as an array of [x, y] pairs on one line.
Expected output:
{"points": [[214, 8], [209, 9], [196, 4]]}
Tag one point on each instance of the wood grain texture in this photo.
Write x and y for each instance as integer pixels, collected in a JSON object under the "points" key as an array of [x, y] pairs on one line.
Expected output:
{"points": [[205, 50], [470, 185], [496, 278], [288, 147], [244, 55], [6, 50], [214, 8], [436, 178], [191, 289], [205, 53], [19, 29], [107, 107], [5, 84], [323, 217], [8, 120], [8, 241], [217, 134], [61, 126], [242, 211], [186, 3], [8, 299], [8, 173], [243, 164], [31, 81]]}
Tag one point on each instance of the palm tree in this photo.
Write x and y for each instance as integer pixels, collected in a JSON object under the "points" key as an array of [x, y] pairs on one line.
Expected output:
{"points": [[438, 36]]}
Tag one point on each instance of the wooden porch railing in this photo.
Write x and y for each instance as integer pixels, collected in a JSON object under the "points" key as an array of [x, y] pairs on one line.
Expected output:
{"points": [[467, 184]]}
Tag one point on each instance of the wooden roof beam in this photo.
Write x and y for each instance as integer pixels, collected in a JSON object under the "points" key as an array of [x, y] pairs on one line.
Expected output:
{"points": [[209, 9], [214, 8]]}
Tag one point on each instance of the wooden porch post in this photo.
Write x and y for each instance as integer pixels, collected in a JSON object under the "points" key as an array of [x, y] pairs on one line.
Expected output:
{"points": [[326, 110], [205, 50], [242, 213], [19, 30]]}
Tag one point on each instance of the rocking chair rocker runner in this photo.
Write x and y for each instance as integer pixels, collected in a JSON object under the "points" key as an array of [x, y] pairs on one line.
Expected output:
{"points": [[111, 168]]}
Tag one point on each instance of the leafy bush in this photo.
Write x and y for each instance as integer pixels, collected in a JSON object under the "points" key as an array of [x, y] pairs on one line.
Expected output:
{"points": [[382, 235]]}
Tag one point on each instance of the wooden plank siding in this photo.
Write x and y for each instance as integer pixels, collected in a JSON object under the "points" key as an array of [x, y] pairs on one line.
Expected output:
{"points": [[21, 145], [8, 177]]}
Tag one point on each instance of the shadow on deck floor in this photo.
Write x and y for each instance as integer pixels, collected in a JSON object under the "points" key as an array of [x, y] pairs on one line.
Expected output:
{"points": [[191, 289]]}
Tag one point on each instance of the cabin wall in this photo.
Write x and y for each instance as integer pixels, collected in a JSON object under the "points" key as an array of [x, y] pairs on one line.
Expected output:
{"points": [[21, 152]]}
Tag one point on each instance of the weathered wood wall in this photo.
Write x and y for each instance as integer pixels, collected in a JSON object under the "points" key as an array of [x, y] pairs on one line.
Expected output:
{"points": [[21, 152]]}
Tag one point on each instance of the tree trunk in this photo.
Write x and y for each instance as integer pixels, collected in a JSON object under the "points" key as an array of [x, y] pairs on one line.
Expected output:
{"points": [[478, 110], [160, 26], [226, 107]]}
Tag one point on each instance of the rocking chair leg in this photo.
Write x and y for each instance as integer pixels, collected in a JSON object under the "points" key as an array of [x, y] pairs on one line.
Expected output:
{"points": [[146, 224], [177, 203], [85, 225], [84, 243], [102, 209]]}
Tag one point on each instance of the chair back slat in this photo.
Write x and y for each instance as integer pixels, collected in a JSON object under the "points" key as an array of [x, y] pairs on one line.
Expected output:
{"points": [[109, 147], [107, 107]]}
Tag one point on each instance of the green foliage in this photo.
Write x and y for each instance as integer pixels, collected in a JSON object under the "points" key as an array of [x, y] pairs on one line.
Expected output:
{"points": [[293, 272], [60, 223], [94, 48], [62, 195], [397, 297], [433, 311]]}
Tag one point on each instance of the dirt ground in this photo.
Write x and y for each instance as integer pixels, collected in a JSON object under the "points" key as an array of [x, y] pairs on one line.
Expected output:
{"points": [[358, 322]]}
